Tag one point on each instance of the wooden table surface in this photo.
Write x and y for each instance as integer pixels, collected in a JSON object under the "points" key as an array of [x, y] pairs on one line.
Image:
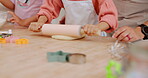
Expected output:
{"points": [[30, 61]]}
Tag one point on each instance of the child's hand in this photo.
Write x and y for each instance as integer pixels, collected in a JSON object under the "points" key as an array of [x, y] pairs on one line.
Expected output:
{"points": [[16, 19], [35, 26], [91, 30]]}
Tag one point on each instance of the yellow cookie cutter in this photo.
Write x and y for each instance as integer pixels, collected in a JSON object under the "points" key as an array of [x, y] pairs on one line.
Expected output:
{"points": [[2, 40], [22, 41]]}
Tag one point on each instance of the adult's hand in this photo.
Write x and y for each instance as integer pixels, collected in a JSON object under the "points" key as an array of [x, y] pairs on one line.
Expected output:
{"points": [[128, 34]]}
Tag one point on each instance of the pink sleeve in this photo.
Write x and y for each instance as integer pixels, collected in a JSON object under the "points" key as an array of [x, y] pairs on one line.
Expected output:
{"points": [[13, 1], [51, 9], [108, 13]]}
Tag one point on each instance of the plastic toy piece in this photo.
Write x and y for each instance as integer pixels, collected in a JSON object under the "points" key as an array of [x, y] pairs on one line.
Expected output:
{"points": [[22, 41], [109, 71], [2, 40], [103, 34], [4, 34], [11, 39]]}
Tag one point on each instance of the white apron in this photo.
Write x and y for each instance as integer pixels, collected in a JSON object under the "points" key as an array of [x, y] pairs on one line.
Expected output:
{"points": [[132, 12], [80, 12]]}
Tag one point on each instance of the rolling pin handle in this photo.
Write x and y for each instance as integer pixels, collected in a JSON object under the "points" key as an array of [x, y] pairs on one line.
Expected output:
{"points": [[99, 33]]}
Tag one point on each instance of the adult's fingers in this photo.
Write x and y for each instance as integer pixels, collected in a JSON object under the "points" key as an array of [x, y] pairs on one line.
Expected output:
{"points": [[126, 39], [134, 37], [122, 35], [118, 32]]}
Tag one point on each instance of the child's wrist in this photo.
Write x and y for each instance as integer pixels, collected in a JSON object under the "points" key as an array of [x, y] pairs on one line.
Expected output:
{"points": [[103, 26], [23, 22], [42, 19]]}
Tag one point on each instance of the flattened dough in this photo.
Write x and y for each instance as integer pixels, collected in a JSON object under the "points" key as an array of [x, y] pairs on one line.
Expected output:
{"points": [[62, 37]]}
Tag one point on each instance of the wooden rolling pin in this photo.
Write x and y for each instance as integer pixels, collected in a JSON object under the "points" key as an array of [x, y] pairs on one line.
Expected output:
{"points": [[67, 30]]}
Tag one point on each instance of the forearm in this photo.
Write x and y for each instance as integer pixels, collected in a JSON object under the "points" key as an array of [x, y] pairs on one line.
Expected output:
{"points": [[103, 26], [26, 22], [42, 19], [8, 4]]}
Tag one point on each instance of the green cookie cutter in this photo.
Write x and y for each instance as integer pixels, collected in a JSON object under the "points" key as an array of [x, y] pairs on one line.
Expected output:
{"points": [[109, 72], [58, 56]]}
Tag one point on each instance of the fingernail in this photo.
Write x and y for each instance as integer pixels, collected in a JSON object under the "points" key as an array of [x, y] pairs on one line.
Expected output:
{"points": [[113, 36]]}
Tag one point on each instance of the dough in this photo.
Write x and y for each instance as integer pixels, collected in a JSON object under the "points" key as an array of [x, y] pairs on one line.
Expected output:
{"points": [[3, 17], [62, 37]]}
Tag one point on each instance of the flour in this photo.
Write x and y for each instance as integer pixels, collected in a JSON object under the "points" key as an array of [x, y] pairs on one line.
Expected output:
{"points": [[3, 17], [2, 22]]}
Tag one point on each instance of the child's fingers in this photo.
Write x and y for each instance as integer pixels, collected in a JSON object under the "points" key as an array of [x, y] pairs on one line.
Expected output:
{"points": [[89, 31], [31, 26], [11, 19], [12, 13], [92, 31], [84, 28], [36, 27], [40, 26]]}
